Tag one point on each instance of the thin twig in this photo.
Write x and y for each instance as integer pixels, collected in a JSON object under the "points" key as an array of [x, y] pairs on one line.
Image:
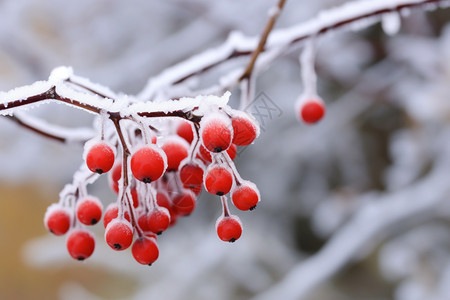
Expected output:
{"points": [[262, 41]]}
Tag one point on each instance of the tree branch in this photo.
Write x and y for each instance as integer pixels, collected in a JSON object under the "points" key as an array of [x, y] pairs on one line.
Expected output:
{"points": [[262, 42], [238, 45]]}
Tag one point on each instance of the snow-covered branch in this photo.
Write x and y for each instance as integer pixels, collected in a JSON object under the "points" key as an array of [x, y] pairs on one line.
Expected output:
{"points": [[355, 15]]}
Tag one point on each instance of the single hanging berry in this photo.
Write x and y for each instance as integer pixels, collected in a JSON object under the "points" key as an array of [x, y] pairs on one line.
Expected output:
{"points": [[191, 173], [176, 150], [112, 212], [245, 196], [184, 203], [80, 244], [184, 130], [216, 132], [57, 219], [229, 228], [245, 130], [158, 220], [100, 157], [145, 250], [148, 163], [89, 210], [119, 234], [311, 110], [218, 180]]}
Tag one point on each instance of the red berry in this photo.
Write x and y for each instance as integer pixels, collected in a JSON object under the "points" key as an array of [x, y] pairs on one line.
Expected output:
{"points": [[232, 151], [80, 244], [114, 176], [112, 212], [176, 150], [245, 196], [184, 130], [148, 163], [244, 130], [162, 199], [216, 132], [197, 189], [312, 111], [143, 222], [145, 250], [229, 228], [191, 173], [184, 203], [89, 210], [100, 157], [119, 234], [218, 180], [204, 154], [158, 220], [57, 219]]}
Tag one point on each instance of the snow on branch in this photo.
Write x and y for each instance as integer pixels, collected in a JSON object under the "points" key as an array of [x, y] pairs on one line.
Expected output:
{"points": [[356, 15]]}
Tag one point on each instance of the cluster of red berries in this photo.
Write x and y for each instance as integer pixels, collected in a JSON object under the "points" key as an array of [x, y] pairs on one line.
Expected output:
{"points": [[158, 179]]}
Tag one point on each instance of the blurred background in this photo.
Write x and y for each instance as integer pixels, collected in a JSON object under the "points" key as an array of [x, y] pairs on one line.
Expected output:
{"points": [[356, 207]]}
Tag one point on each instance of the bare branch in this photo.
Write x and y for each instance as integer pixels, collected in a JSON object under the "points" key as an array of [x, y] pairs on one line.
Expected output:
{"points": [[262, 42]]}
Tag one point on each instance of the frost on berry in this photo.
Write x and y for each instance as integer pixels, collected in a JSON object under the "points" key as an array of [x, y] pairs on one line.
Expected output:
{"points": [[57, 219], [145, 250], [99, 156], [245, 129], [216, 132], [176, 149], [80, 244], [245, 196], [229, 228], [157, 167], [89, 210], [148, 163], [119, 234], [218, 180]]}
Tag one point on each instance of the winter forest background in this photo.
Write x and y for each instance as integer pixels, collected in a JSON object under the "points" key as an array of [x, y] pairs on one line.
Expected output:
{"points": [[355, 207]]}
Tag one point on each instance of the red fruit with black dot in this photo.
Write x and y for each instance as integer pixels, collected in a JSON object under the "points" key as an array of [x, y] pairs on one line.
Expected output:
{"points": [[111, 213], [229, 228], [145, 250], [80, 244], [245, 130], [184, 203], [218, 180], [184, 130], [158, 220], [148, 163], [100, 157], [89, 210], [191, 173], [312, 111], [57, 219], [119, 234], [176, 150], [216, 132], [245, 196]]}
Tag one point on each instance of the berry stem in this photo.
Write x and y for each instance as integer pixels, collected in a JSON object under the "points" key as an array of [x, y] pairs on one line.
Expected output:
{"points": [[225, 210]]}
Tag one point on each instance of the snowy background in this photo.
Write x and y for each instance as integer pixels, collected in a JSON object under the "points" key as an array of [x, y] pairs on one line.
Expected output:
{"points": [[357, 207]]}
